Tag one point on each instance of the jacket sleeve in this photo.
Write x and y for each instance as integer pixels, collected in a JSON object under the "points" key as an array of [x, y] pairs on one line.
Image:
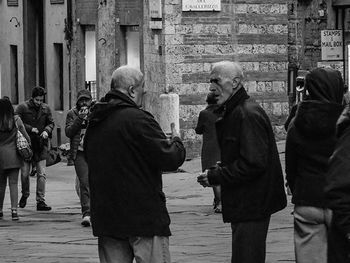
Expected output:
{"points": [[200, 127], [49, 122], [73, 124], [338, 184], [253, 153], [20, 109], [162, 153], [291, 159], [21, 128]]}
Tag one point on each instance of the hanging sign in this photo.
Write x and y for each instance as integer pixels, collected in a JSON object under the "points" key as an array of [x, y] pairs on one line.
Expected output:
{"points": [[331, 45], [201, 5]]}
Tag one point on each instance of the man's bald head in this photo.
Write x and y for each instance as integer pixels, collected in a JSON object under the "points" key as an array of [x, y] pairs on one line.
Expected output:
{"points": [[130, 82], [225, 80], [228, 69], [124, 77]]}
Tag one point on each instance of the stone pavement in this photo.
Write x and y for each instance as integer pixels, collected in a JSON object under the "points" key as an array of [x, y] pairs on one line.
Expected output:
{"points": [[199, 235]]}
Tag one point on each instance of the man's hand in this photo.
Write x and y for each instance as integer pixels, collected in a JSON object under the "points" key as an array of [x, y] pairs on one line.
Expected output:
{"points": [[83, 113], [35, 130], [203, 179], [174, 133], [44, 135]]}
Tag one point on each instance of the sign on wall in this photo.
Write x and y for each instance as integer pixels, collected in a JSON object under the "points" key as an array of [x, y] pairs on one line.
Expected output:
{"points": [[155, 8], [331, 45], [201, 5]]}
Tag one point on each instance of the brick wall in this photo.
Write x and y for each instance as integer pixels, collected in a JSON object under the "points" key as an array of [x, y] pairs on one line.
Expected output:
{"points": [[251, 32]]}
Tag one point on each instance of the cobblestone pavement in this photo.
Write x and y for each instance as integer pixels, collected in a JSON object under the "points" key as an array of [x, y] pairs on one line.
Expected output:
{"points": [[199, 235]]}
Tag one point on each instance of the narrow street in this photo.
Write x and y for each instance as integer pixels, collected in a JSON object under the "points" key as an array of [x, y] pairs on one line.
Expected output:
{"points": [[199, 235]]}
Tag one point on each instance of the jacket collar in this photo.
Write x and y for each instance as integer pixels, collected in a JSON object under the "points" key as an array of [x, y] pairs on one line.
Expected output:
{"points": [[236, 99]]}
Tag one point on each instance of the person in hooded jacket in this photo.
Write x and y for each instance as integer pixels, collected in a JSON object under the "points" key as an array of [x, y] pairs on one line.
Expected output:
{"points": [[127, 151], [310, 142]]}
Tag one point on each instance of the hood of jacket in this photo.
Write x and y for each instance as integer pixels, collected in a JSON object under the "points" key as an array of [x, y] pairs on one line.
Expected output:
{"points": [[113, 100], [325, 84], [317, 119]]}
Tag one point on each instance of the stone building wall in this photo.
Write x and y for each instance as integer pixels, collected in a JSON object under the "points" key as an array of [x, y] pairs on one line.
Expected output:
{"points": [[253, 32]]}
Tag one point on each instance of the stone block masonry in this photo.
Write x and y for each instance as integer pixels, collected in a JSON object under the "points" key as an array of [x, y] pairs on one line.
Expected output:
{"points": [[255, 33]]}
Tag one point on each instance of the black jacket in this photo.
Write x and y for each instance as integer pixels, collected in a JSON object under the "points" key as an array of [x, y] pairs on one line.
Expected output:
{"points": [[40, 118], [311, 137], [310, 142], [250, 173], [126, 152], [338, 193]]}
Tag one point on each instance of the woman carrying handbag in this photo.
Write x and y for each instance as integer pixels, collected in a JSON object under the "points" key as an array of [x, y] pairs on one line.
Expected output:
{"points": [[10, 160]]}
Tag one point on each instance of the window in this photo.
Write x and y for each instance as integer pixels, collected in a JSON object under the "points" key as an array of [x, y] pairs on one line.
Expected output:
{"points": [[14, 73], [12, 2], [58, 80]]}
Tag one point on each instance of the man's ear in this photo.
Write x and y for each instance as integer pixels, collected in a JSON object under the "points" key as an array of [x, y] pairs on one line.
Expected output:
{"points": [[131, 91]]}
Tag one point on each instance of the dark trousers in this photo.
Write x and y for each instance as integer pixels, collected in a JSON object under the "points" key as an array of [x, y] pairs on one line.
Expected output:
{"points": [[82, 171], [249, 241], [338, 246]]}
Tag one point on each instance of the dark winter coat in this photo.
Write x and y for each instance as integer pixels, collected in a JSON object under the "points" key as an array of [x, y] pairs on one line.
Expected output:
{"points": [[250, 173], [127, 151], [310, 142], [40, 118], [9, 157], [206, 126], [74, 124], [311, 138]]}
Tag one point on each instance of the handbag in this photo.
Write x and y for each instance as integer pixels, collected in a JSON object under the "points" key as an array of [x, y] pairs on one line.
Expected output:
{"points": [[23, 147], [53, 157]]}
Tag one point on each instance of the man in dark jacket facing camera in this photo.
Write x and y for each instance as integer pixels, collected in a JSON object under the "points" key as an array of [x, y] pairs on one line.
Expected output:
{"points": [[250, 172], [76, 123], [127, 152]]}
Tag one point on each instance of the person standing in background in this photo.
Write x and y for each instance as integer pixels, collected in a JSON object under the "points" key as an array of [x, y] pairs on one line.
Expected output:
{"points": [[76, 123], [310, 142], [210, 153]]}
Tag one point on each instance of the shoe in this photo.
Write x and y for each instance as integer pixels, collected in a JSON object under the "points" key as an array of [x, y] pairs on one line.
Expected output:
{"points": [[42, 206], [14, 215], [86, 221], [22, 202]]}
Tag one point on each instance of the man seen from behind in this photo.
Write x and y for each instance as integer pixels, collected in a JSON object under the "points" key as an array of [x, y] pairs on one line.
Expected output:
{"points": [[126, 152]]}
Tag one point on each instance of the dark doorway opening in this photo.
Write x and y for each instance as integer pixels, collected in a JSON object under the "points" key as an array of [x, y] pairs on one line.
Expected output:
{"points": [[34, 60]]}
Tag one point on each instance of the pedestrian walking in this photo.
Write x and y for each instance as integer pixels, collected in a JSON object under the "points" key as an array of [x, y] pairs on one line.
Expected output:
{"points": [[76, 123], [126, 153], [210, 153], [37, 118], [250, 172], [310, 142], [10, 161]]}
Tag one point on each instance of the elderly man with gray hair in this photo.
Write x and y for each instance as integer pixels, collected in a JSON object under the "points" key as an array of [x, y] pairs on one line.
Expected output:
{"points": [[250, 173], [127, 151]]}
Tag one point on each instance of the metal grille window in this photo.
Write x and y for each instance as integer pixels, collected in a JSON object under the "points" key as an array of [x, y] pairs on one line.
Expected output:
{"points": [[57, 2], [12, 2]]}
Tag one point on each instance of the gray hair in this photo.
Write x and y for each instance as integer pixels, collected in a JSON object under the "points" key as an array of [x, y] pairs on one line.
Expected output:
{"points": [[228, 69], [124, 77]]}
